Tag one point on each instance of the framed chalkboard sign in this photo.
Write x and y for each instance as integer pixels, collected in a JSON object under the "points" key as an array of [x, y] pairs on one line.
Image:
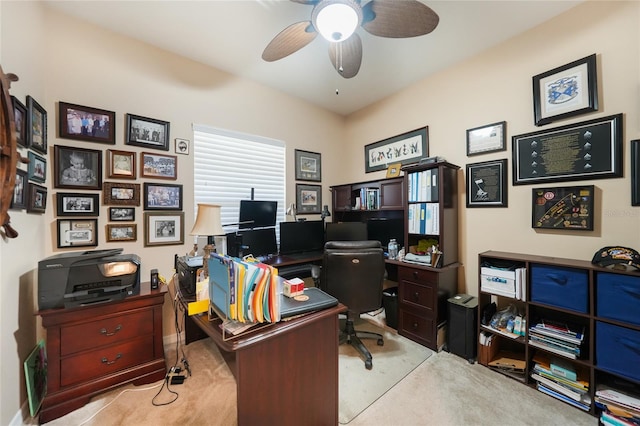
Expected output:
{"points": [[568, 208]]}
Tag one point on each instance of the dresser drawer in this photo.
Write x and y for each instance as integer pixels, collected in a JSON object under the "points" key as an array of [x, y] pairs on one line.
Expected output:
{"points": [[417, 275], [106, 360], [419, 296], [106, 331], [417, 328]]}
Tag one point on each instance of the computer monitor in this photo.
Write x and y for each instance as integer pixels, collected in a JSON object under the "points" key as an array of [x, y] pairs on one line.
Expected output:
{"points": [[258, 242], [257, 214], [300, 237], [346, 231], [384, 230]]}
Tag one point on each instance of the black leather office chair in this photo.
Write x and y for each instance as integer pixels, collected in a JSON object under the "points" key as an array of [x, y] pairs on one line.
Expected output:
{"points": [[353, 273]]}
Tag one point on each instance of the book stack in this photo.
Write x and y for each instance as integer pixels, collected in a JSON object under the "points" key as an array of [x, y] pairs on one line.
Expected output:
{"points": [[559, 338], [618, 408], [562, 380]]}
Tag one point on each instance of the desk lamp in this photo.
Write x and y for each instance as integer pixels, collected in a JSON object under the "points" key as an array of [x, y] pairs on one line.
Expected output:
{"points": [[291, 211], [207, 223], [325, 212]]}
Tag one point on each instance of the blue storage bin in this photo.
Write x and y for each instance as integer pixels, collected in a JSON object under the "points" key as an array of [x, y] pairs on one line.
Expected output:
{"points": [[618, 297], [562, 287], [618, 350]]}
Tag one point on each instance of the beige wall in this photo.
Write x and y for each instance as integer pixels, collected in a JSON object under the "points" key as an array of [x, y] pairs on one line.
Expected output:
{"points": [[48, 52]]}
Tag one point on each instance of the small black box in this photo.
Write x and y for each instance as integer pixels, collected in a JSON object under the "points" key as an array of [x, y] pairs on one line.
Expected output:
{"points": [[187, 276], [154, 279]]}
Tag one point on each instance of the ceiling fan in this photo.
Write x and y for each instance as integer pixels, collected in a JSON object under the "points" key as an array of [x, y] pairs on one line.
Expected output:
{"points": [[337, 21]]}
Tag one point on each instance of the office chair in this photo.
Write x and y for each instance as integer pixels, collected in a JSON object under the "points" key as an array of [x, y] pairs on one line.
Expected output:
{"points": [[353, 272]]}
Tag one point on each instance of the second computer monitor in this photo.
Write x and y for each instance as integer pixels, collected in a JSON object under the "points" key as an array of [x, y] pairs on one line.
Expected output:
{"points": [[346, 231], [259, 242], [301, 237]]}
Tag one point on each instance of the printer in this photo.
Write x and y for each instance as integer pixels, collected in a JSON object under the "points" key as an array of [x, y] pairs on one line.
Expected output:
{"points": [[84, 278]]}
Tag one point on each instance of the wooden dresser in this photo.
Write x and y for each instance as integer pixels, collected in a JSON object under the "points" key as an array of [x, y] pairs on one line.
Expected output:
{"points": [[95, 348]]}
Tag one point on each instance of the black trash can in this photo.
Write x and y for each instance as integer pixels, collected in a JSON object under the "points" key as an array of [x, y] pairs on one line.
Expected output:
{"points": [[390, 304]]}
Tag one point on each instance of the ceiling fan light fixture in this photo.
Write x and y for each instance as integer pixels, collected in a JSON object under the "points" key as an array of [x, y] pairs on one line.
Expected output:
{"points": [[336, 20]]}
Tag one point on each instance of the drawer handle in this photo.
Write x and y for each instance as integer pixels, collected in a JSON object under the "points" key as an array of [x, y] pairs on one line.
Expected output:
{"points": [[106, 361], [559, 279], [416, 296], [633, 292], [104, 330], [631, 345], [415, 274], [415, 325]]}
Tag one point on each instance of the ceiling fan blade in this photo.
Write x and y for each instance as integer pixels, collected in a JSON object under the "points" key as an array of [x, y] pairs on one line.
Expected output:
{"points": [[398, 18], [289, 40], [306, 1], [346, 56]]}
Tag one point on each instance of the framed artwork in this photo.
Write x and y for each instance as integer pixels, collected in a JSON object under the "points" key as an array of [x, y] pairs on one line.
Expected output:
{"points": [[37, 198], [77, 204], [162, 196], [635, 172], [485, 139], [182, 146], [588, 150], [77, 168], [77, 233], [163, 228], [566, 91], [147, 132], [308, 166], [122, 214], [85, 123], [37, 167], [568, 208], [308, 199], [393, 170], [158, 166], [121, 164], [20, 118], [124, 232], [121, 194], [36, 126], [406, 148], [35, 372], [487, 184], [19, 200]]}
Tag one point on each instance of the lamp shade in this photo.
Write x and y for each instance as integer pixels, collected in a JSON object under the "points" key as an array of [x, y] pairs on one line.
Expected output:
{"points": [[208, 220], [336, 20]]}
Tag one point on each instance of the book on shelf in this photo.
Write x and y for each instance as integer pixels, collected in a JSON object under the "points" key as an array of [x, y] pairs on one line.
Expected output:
{"points": [[542, 366], [562, 397], [576, 395], [557, 344], [608, 394], [563, 328], [570, 338], [549, 348]]}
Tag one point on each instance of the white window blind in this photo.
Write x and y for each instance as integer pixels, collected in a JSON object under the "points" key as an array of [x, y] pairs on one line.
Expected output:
{"points": [[228, 165]]}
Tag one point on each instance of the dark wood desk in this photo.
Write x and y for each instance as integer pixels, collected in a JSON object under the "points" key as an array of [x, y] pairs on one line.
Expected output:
{"points": [[286, 373]]}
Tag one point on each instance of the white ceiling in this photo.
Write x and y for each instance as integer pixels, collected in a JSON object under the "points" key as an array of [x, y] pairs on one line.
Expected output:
{"points": [[231, 34]]}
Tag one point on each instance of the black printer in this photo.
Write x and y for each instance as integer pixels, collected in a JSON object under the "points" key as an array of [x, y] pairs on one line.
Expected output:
{"points": [[84, 278]]}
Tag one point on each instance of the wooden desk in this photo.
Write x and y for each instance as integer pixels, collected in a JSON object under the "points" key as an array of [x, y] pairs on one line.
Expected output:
{"points": [[286, 373]]}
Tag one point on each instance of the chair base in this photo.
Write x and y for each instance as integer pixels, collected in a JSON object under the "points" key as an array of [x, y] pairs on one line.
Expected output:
{"points": [[352, 336]]}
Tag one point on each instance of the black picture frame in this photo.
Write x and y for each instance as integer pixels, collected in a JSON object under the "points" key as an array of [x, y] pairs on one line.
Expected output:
{"points": [[487, 138], [587, 150], [565, 208], [37, 168], [85, 123], [37, 198], [635, 172], [20, 191], [77, 168], [121, 232], [77, 204], [36, 126], [162, 196], [308, 199], [163, 228], [20, 119], [406, 148], [565, 91], [147, 132], [77, 232], [122, 214], [121, 194], [308, 165], [487, 184]]}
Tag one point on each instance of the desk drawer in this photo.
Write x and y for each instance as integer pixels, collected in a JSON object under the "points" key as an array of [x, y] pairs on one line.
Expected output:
{"points": [[417, 275], [417, 328], [106, 331]]}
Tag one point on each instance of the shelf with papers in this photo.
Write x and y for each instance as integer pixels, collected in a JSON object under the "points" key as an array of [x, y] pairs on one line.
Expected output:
{"points": [[503, 333]]}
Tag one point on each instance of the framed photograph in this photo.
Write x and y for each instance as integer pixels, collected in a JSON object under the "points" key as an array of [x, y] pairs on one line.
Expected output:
{"points": [[147, 132], [77, 233], [85, 123], [122, 214], [163, 228], [20, 119], [566, 91], [37, 198], [394, 170], [308, 199], [158, 166], [588, 150], [182, 146], [19, 200], [77, 168], [121, 164], [123, 232], [635, 172], [485, 139], [37, 167], [121, 194], [487, 184], [36, 126], [308, 166], [162, 196], [568, 208], [77, 204], [406, 148]]}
